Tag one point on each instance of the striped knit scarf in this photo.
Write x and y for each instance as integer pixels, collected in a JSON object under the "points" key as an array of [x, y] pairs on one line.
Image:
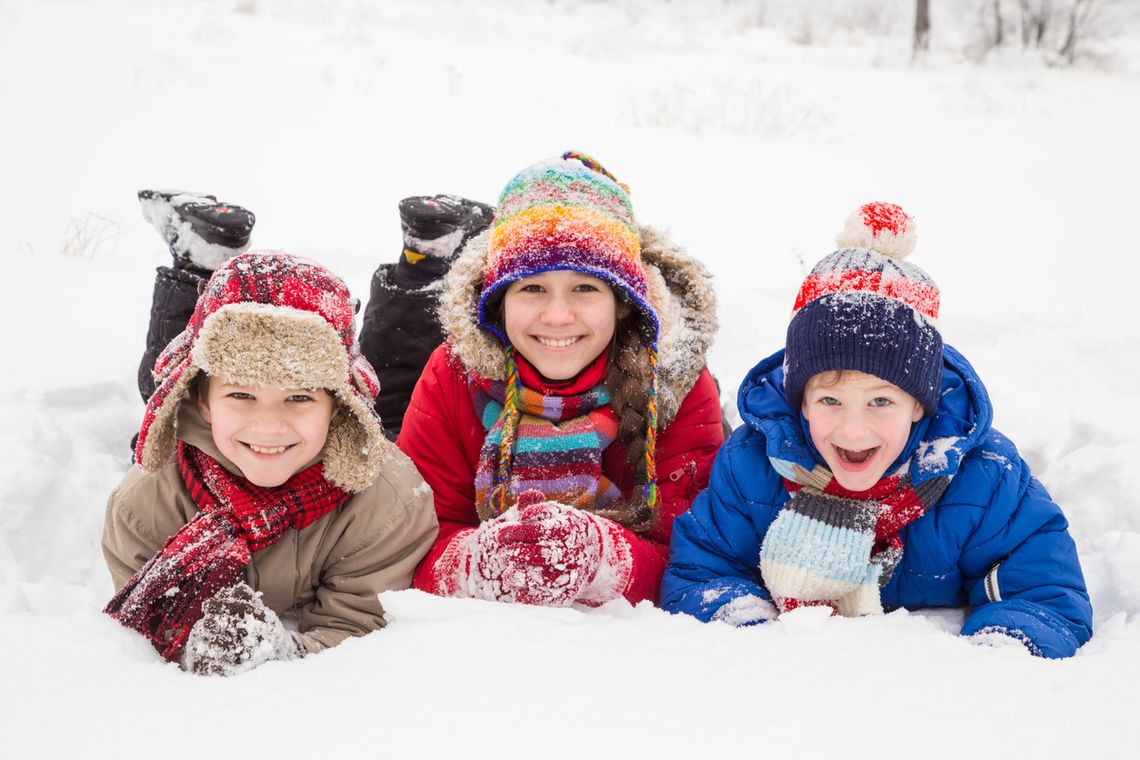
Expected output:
{"points": [[163, 600], [553, 444], [834, 547]]}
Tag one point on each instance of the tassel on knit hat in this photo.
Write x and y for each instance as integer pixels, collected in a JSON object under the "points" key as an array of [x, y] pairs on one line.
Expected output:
{"points": [[865, 308], [569, 213], [277, 320]]}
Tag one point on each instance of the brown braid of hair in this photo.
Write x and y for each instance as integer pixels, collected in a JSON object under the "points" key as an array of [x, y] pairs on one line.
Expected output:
{"points": [[627, 377]]}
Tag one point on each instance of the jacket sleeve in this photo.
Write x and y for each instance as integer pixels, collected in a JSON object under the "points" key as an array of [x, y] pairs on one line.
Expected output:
{"points": [[685, 452], [140, 516], [354, 574], [715, 550], [437, 435], [1021, 569]]}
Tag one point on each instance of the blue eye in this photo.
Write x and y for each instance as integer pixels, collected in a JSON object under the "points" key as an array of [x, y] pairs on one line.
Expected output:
{"points": [[881, 401], [300, 397], [829, 401], [240, 395]]}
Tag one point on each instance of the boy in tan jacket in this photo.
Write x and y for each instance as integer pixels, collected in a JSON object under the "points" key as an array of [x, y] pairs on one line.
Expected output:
{"points": [[264, 487]]}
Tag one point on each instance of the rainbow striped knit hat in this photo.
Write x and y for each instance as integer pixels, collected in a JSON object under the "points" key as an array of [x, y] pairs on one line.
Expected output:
{"points": [[864, 308], [570, 213], [565, 213]]}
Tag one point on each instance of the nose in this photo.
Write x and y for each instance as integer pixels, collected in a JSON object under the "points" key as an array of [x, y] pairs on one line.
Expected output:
{"points": [[853, 424], [557, 311], [267, 419]]}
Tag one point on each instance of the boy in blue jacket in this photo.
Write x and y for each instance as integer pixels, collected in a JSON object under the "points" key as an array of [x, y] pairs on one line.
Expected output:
{"points": [[867, 476]]}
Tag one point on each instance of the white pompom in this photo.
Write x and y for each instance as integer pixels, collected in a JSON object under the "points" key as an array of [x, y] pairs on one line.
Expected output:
{"points": [[883, 228]]}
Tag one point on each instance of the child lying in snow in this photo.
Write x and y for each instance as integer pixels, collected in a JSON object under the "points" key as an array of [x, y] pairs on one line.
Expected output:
{"points": [[569, 417], [264, 485], [867, 475]]}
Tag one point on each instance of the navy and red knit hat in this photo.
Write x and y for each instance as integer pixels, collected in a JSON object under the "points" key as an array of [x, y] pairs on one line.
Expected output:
{"points": [[864, 308]]}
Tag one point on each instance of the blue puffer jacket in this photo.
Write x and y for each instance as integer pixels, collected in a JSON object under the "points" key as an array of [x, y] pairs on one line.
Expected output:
{"points": [[995, 541]]}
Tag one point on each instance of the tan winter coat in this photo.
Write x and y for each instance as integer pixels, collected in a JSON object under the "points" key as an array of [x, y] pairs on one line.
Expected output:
{"points": [[326, 576]]}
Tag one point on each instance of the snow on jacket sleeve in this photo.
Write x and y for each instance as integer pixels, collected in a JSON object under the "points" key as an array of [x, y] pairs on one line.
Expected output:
{"points": [[1020, 564], [383, 533], [715, 549], [686, 449]]}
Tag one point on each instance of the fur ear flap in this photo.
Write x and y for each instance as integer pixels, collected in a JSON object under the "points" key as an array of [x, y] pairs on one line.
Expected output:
{"points": [[356, 447]]}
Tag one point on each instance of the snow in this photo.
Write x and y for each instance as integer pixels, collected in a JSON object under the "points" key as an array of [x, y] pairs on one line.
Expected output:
{"points": [[752, 147]]}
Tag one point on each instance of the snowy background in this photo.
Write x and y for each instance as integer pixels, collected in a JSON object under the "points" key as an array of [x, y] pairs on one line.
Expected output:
{"points": [[750, 129]]}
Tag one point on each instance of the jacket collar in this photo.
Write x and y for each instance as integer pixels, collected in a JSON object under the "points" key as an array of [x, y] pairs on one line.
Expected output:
{"points": [[937, 443]]}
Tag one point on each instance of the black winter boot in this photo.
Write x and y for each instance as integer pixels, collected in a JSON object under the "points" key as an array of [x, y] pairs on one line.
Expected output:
{"points": [[201, 232], [400, 328]]}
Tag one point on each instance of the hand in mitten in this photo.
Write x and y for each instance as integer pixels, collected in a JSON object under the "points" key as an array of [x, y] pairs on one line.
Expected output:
{"points": [[546, 553], [236, 633], [819, 549]]}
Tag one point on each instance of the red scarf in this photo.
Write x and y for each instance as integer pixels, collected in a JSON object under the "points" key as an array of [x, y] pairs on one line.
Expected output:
{"points": [[163, 600]]}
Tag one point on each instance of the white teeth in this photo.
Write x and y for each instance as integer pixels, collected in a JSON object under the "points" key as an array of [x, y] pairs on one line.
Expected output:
{"points": [[267, 449], [558, 343]]}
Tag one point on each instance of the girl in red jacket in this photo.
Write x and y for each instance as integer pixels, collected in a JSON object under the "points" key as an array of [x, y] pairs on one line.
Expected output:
{"points": [[569, 416]]}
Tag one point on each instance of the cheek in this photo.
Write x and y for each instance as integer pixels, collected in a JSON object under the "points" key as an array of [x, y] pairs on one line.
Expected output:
{"points": [[514, 320]]}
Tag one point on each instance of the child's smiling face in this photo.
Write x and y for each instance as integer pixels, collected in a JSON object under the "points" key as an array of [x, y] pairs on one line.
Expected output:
{"points": [[560, 320], [859, 423], [269, 433]]}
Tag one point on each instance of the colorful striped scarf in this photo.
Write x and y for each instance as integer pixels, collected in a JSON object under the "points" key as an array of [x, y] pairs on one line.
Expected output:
{"points": [[838, 548], [554, 444], [163, 600]]}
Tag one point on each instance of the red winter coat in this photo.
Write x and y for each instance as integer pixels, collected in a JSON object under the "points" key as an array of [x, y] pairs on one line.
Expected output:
{"points": [[443, 436]]}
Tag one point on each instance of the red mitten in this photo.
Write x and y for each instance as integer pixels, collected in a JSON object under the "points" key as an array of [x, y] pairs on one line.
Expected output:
{"points": [[546, 553]]}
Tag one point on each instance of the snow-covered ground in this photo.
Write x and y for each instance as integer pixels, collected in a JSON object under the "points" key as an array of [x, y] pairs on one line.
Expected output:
{"points": [[752, 149]]}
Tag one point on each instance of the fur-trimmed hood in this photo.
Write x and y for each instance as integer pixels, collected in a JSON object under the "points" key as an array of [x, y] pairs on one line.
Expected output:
{"points": [[680, 292], [275, 320]]}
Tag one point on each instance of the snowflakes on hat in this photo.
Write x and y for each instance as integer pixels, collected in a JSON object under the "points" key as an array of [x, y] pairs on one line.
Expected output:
{"points": [[858, 271], [277, 279], [883, 228]]}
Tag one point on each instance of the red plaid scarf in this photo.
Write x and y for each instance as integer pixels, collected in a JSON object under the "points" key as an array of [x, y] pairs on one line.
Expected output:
{"points": [[163, 600]]}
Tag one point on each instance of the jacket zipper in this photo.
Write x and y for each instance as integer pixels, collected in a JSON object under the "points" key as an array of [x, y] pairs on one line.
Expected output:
{"points": [[993, 593]]}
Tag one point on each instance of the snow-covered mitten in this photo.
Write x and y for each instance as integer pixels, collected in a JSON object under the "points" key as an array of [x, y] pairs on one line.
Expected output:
{"points": [[818, 552], [546, 553], [201, 232], [236, 633]]}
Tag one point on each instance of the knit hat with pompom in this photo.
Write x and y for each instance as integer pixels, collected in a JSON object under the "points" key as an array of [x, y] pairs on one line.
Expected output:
{"points": [[865, 308]]}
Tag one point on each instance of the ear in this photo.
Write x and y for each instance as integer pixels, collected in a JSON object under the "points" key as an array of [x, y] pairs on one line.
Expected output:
{"points": [[623, 309], [917, 414], [204, 405]]}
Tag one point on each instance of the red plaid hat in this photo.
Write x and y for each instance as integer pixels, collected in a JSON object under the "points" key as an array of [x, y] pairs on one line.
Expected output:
{"points": [[276, 320]]}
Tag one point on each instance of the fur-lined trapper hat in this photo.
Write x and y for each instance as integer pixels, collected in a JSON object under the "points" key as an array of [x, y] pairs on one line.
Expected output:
{"points": [[276, 320]]}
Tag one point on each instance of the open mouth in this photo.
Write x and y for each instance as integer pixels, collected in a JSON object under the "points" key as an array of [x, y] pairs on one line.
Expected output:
{"points": [[557, 342], [267, 450], [856, 458]]}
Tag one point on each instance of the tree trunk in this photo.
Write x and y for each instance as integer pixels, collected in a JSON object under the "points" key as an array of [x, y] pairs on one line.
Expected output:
{"points": [[921, 26], [998, 36]]}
